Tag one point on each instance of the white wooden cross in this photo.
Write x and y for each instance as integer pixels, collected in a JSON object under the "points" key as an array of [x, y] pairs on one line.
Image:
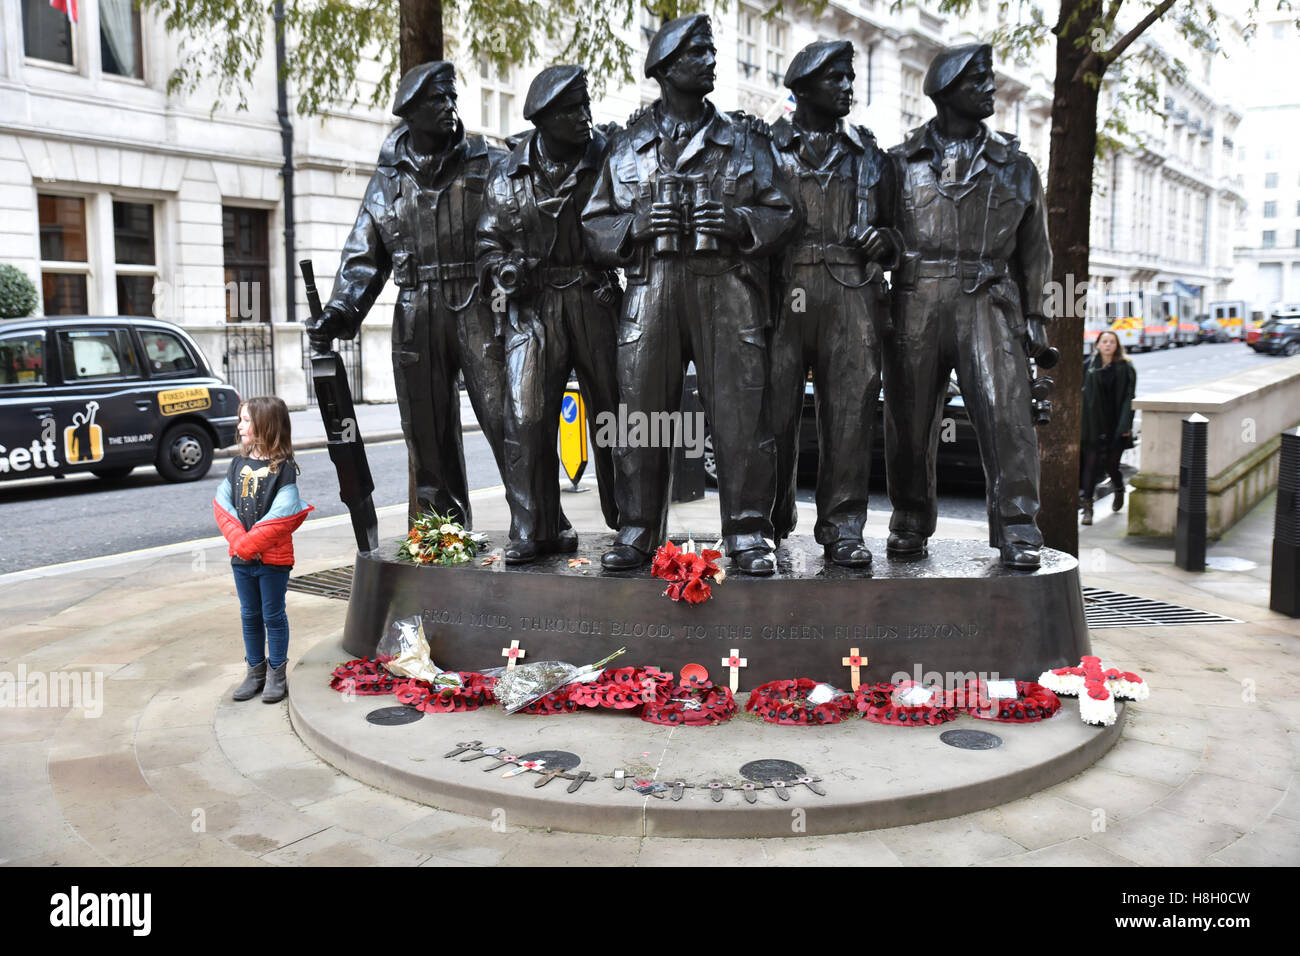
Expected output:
{"points": [[854, 662], [734, 663], [513, 653]]}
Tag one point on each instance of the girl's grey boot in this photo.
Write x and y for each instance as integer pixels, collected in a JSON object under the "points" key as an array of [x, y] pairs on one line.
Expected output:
{"points": [[253, 682]]}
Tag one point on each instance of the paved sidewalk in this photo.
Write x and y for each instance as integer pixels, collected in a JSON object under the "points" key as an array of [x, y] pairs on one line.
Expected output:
{"points": [[173, 772]]}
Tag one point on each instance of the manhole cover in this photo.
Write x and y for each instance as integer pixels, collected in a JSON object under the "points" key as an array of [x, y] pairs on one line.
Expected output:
{"points": [[767, 770], [555, 759], [971, 739], [394, 716]]}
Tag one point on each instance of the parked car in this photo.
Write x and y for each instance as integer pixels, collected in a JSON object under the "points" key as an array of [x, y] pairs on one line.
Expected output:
{"points": [[959, 454], [1280, 335], [1211, 330], [105, 394]]}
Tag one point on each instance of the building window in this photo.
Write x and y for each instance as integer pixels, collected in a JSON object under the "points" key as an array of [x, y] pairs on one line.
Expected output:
{"points": [[911, 102], [65, 264], [496, 101], [133, 251], [1297, 238], [119, 38], [1270, 180], [776, 38], [747, 25], [246, 242], [47, 34], [1270, 238], [1270, 210]]}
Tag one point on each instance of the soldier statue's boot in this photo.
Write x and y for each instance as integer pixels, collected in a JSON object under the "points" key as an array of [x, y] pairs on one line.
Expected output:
{"points": [[277, 684], [1020, 557], [521, 552], [849, 553], [905, 544], [623, 557], [566, 542], [254, 680], [756, 561], [1087, 511]]}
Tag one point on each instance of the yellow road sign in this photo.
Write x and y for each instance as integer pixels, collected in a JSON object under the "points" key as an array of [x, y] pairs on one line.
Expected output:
{"points": [[573, 435]]}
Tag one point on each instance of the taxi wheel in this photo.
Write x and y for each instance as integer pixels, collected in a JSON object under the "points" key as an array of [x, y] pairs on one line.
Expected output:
{"points": [[113, 474], [185, 453]]}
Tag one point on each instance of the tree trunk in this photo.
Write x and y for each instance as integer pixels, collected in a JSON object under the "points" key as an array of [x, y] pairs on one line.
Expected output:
{"points": [[420, 32], [1069, 197]]}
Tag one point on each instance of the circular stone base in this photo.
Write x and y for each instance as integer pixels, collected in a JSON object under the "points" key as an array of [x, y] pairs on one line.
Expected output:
{"points": [[873, 775]]}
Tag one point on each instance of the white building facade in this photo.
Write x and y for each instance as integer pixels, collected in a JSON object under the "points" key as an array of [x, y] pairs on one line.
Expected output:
{"points": [[116, 197]]}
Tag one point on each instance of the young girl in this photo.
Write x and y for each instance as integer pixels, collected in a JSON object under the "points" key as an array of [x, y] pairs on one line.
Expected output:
{"points": [[258, 509]]}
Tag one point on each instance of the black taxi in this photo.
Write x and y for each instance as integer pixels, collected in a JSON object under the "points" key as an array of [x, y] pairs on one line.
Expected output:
{"points": [[103, 395]]}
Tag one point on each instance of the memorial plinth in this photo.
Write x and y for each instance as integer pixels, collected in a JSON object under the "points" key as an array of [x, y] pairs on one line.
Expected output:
{"points": [[955, 611]]}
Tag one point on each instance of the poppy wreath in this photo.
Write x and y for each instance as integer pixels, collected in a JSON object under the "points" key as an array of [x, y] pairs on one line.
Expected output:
{"points": [[879, 703], [365, 678], [475, 692], [1097, 688], [693, 704], [1033, 703], [556, 702], [620, 688], [786, 702]]}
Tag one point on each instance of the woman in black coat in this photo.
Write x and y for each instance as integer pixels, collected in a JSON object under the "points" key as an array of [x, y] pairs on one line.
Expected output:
{"points": [[1109, 381]]}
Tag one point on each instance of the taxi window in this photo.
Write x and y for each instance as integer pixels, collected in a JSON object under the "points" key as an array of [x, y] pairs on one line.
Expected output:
{"points": [[165, 352], [97, 354], [22, 358]]}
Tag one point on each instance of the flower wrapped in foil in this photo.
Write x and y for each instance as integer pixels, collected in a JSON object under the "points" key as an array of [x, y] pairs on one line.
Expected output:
{"points": [[524, 683], [409, 648]]}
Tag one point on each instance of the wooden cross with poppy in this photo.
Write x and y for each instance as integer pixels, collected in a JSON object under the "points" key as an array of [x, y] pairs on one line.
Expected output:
{"points": [[734, 663], [513, 653], [854, 662]]}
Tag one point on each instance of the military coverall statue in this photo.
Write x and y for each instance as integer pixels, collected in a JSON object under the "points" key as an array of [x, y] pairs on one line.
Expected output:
{"points": [[832, 307], [417, 222], [698, 293], [970, 294], [557, 312]]}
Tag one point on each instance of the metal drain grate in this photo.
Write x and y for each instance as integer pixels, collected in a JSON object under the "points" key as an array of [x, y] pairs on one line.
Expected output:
{"points": [[1113, 609], [333, 583]]}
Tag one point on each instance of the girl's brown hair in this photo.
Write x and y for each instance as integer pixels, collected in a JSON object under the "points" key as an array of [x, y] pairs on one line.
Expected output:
{"points": [[1120, 355], [272, 429]]}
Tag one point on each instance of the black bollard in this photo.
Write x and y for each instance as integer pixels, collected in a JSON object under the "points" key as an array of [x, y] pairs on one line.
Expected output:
{"points": [[1284, 594], [1189, 536]]}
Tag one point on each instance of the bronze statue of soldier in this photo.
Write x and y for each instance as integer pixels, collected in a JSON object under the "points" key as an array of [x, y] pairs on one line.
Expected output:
{"points": [[689, 206], [556, 311], [832, 306], [417, 223], [969, 293]]}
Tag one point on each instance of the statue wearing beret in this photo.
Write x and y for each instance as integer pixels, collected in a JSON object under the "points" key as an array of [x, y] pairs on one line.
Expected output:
{"points": [[689, 206], [556, 311], [417, 223], [832, 307], [970, 294]]}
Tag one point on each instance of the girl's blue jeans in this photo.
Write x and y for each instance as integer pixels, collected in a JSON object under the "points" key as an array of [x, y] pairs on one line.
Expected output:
{"points": [[261, 606]]}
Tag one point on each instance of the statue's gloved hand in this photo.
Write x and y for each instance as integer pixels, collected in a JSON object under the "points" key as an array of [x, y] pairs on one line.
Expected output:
{"points": [[714, 219], [874, 243], [659, 219], [1036, 338], [322, 331]]}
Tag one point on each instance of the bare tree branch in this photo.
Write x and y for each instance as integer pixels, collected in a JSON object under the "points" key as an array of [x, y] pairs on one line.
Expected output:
{"points": [[1123, 43]]}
